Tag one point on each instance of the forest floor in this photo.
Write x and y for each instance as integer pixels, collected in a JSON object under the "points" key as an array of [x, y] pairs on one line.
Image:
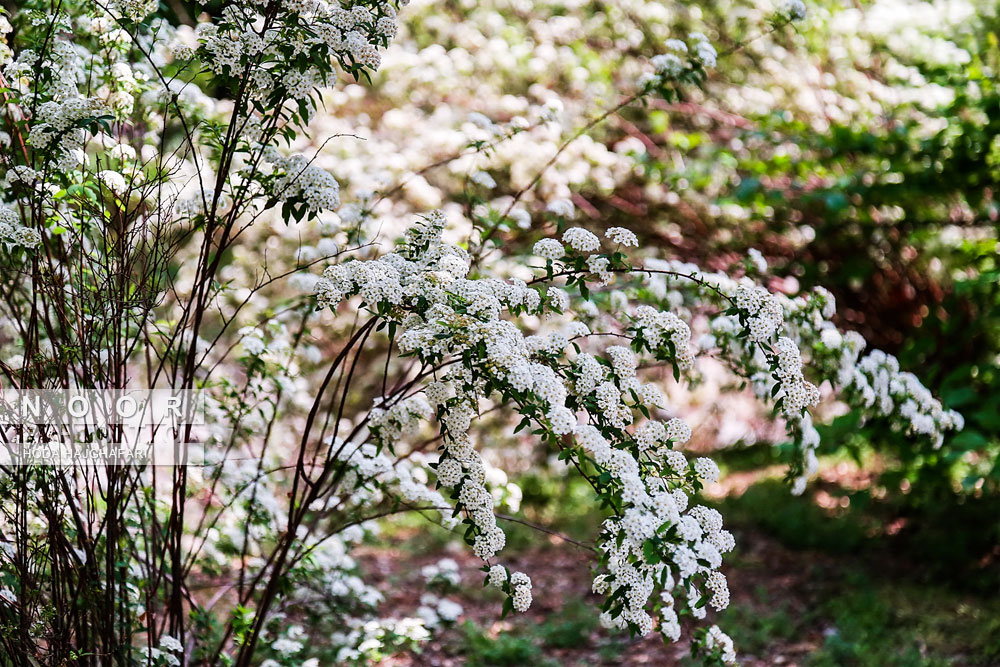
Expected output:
{"points": [[802, 594]]}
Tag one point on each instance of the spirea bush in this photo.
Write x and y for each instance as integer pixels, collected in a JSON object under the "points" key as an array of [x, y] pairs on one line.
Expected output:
{"points": [[151, 174]]}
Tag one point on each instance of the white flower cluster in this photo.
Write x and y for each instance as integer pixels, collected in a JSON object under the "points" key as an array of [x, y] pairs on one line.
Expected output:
{"points": [[442, 315], [651, 435], [762, 340], [807, 437], [299, 180], [448, 314], [655, 508], [622, 236], [390, 423], [22, 174], [796, 392], [365, 641], [516, 584], [716, 641], [57, 133], [702, 49], [876, 383], [133, 10], [585, 242], [659, 329], [5, 52], [13, 233], [252, 340], [549, 249], [598, 265], [521, 596], [581, 240], [483, 178], [562, 208], [763, 310], [165, 653], [617, 394], [668, 66], [756, 259], [444, 573], [706, 469], [792, 10], [678, 59], [436, 611], [325, 31]]}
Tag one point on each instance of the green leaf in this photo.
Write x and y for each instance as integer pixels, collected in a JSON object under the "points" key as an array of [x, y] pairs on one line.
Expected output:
{"points": [[508, 607], [650, 552]]}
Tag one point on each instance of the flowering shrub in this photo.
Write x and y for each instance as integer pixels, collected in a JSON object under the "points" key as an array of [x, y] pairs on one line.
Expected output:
{"points": [[156, 186]]}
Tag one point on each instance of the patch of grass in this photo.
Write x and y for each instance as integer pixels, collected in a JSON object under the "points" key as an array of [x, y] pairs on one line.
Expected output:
{"points": [[571, 628], [758, 626], [610, 652], [567, 503], [871, 630], [741, 458], [522, 645], [890, 623], [954, 540], [505, 650], [414, 534], [797, 522]]}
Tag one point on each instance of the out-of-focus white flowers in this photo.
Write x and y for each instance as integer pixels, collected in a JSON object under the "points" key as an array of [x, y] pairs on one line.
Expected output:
{"points": [[792, 10]]}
